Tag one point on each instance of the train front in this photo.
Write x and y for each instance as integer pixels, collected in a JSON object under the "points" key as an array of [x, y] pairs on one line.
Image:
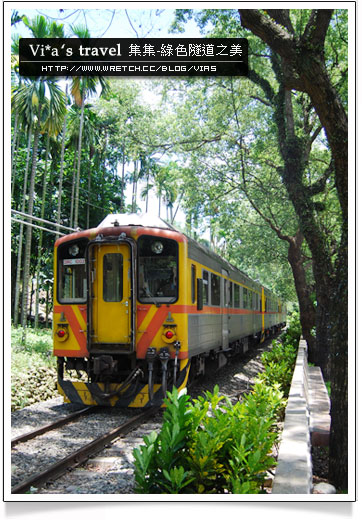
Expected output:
{"points": [[119, 319]]}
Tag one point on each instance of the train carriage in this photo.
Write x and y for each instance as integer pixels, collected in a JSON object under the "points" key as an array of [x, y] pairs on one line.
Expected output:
{"points": [[139, 307]]}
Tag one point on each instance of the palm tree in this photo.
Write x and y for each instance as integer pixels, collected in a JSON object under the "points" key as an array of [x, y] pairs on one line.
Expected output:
{"points": [[16, 79], [40, 97], [41, 103], [82, 87], [61, 172], [21, 233]]}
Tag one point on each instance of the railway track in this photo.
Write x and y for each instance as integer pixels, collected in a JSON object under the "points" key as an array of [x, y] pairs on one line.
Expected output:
{"points": [[51, 426], [112, 471], [79, 455]]}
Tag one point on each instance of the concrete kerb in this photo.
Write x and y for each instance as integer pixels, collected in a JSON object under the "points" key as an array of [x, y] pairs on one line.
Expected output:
{"points": [[307, 421], [294, 470]]}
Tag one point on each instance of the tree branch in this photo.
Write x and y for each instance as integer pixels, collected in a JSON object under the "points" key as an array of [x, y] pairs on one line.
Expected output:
{"points": [[262, 83], [316, 28], [281, 16], [320, 184], [270, 32], [261, 100]]}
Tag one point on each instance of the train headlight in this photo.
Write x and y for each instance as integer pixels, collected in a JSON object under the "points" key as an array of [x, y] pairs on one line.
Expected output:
{"points": [[157, 247], [74, 250]]}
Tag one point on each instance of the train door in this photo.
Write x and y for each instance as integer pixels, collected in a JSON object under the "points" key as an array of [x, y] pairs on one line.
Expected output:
{"points": [[225, 304], [112, 305]]}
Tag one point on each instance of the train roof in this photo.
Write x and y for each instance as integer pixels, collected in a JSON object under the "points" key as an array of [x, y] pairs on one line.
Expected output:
{"points": [[135, 219]]}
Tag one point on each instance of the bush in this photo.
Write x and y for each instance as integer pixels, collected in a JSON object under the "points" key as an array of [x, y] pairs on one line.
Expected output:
{"points": [[209, 445], [279, 365], [294, 330]]}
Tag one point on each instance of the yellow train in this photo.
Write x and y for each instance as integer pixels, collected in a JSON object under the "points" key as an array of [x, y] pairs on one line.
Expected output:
{"points": [[139, 308]]}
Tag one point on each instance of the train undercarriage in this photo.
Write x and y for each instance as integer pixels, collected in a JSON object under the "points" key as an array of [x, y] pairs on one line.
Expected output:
{"points": [[120, 380]]}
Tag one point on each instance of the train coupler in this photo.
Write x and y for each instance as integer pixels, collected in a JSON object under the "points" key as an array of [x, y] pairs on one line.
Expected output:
{"points": [[164, 356], [177, 346], [151, 355]]}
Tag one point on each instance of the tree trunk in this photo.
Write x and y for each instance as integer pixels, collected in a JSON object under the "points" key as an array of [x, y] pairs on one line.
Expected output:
{"points": [[13, 153], [24, 306], [76, 202], [122, 180], [61, 173], [338, 446], [21, 233], [134, 187], [147, 188], [71, 220], [40, 243], [306, 307]]}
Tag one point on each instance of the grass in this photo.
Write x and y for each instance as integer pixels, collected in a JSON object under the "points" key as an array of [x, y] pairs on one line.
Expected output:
{"points": [[37, 349], [33, 367]]}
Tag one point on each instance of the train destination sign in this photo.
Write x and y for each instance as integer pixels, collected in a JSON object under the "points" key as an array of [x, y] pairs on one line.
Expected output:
{"points": [[133, 57], [73, 261]]}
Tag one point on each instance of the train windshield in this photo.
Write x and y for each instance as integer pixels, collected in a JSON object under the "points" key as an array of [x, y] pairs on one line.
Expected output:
{"points": [[72, 276], [157, 270]]}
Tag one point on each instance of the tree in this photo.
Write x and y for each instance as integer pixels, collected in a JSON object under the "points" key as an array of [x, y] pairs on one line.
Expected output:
{"points": [[299, 63], [61, 172], [82, 87], [292, 52], [42, 99], [32, 99]]}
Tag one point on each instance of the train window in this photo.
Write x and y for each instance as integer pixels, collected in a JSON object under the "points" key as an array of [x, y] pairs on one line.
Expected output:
{"points": [[113, 277], [157, 269], [193, 283], [72, 277], [245, 298], [230, 294], [215, 289], [236, 296], [250, 299], [205, 294]]}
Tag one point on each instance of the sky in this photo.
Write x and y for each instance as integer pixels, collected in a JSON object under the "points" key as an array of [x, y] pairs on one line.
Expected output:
{"points": [[113, 23]]}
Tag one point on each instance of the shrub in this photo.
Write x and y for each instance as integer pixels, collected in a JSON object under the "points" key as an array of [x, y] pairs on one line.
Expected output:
{"points": [[209, 445], [292, 335], [279, 365]]}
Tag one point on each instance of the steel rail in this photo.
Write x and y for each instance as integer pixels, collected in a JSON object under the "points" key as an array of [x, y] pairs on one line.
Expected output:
{"points": [[79, 456], [52, 426]]}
